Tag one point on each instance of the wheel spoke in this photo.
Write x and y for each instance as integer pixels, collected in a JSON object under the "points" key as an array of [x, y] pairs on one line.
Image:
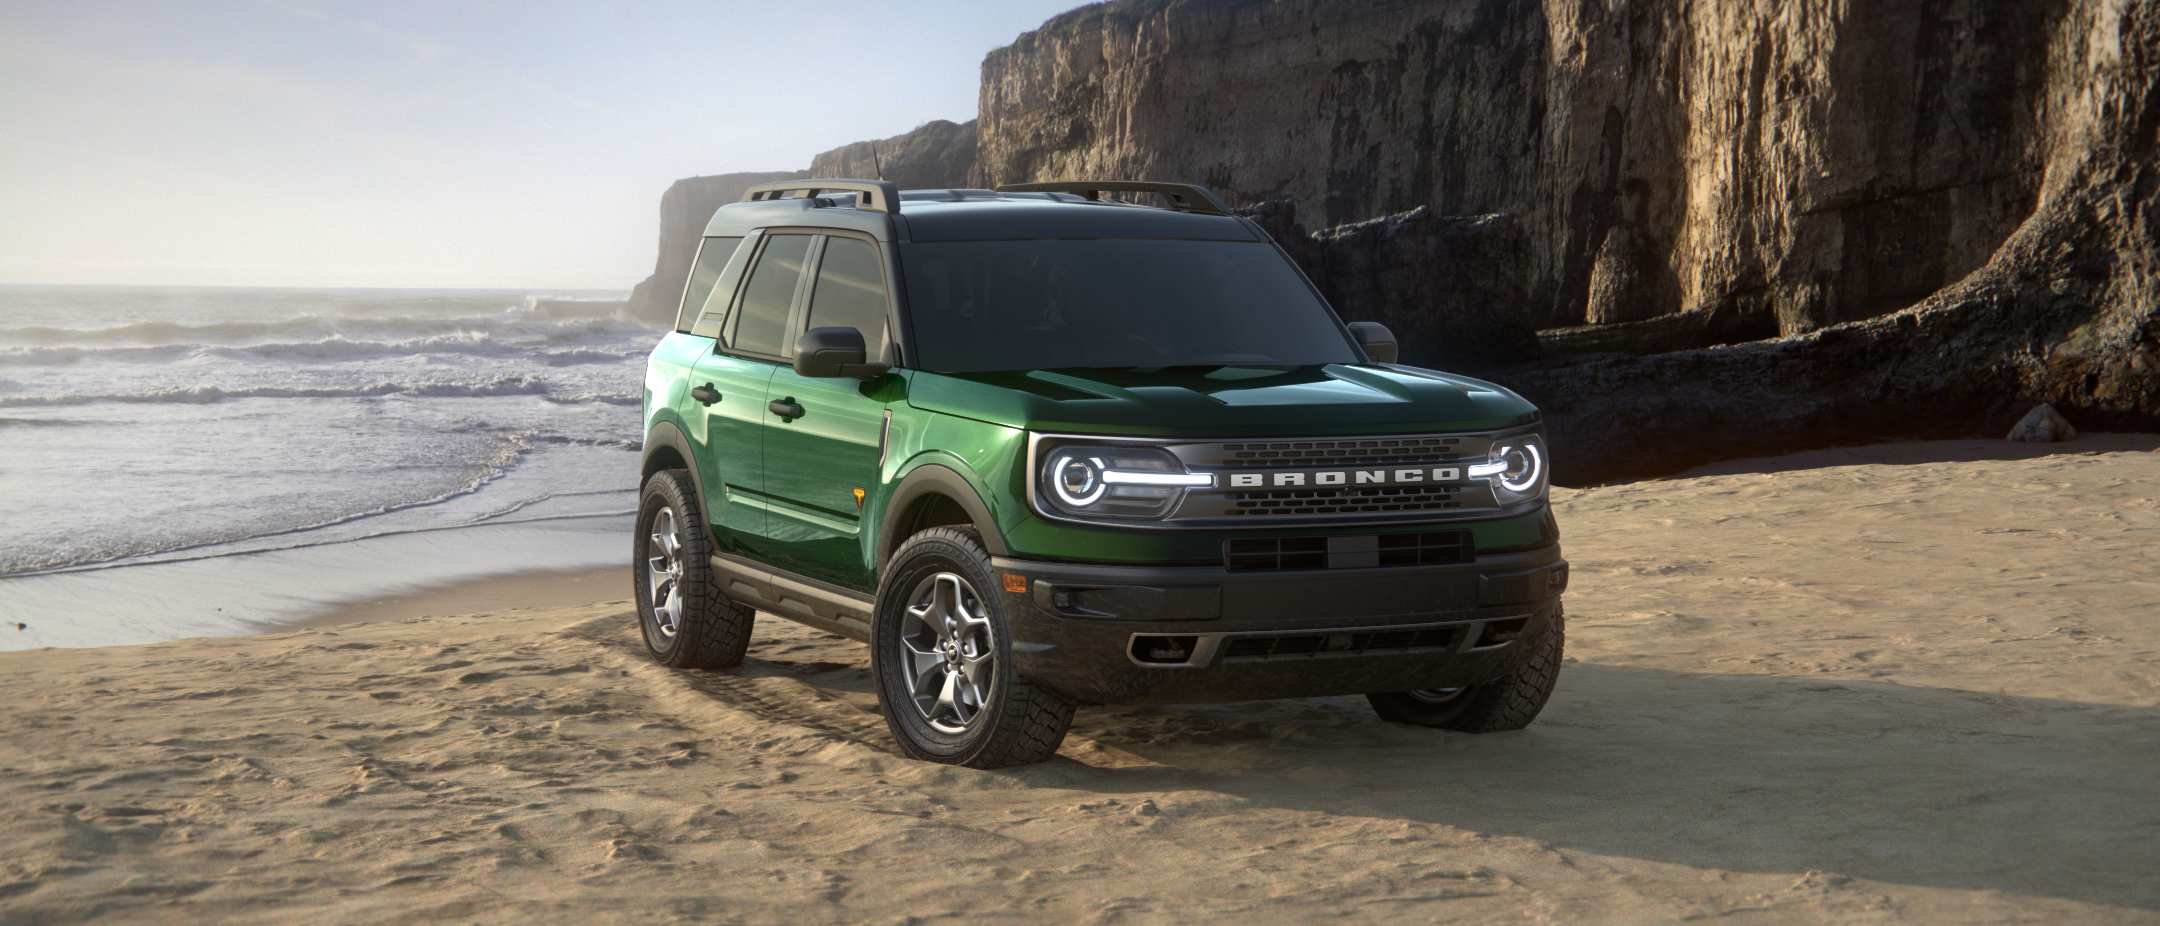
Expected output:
{"points": [[970, 697], [948, 698], [945, 598], [976, 670], [926, 616], [922, 666]]}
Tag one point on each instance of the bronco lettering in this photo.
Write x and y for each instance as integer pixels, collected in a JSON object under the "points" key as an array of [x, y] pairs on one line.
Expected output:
{"points": [[1336, 477]]}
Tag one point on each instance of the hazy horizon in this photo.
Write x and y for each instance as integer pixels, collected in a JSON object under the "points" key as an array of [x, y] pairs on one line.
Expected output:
{"points": [[417, 146]]}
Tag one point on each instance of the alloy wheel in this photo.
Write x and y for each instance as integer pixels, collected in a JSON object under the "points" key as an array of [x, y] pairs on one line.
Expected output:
{"points": [[948, 652], [664, 572]]}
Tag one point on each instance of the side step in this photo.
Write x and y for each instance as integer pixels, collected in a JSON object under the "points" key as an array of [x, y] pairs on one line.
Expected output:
{"points": [[806, 601]]}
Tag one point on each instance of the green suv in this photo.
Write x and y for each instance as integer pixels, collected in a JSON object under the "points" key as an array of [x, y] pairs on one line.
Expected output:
{"points": [[1040, 448]]}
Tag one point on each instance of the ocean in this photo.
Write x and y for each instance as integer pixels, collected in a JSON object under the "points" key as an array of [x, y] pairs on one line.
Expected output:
{"points": [[146, 429]]}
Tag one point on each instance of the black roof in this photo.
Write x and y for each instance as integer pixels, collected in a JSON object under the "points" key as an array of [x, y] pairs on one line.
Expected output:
{"points": [[1071, 209], [982, 215]]}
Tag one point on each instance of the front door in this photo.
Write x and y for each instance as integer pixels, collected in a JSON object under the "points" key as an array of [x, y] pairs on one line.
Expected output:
{"points": [[823, 436]]}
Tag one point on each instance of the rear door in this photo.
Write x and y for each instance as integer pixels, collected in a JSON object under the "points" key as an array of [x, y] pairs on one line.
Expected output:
{"points": [[714, 273], [823, 436], [735, 376]]}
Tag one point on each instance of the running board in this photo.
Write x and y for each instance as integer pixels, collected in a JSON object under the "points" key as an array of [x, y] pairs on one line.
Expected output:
{"points": [[804, 601]]}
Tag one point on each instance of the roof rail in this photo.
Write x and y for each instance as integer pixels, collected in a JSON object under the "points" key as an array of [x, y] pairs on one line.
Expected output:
{"points": [[1183, 197], [877, 195]]}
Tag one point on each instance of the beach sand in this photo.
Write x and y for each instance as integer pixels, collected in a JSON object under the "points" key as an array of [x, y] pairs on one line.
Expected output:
{"points": [[1915, 681]]}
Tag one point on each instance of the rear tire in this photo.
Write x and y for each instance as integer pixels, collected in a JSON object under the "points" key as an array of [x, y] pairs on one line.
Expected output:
{"points": [[1508, 702], [691, 625], [991, 717]]}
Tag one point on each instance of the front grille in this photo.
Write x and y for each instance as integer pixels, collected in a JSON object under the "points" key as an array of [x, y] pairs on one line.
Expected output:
{"points": [[1354, 500], [1346, 643], [1272, 554], [1362, 451]]}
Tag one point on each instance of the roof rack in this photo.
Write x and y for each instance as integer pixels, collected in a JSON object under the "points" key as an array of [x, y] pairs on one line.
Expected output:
{"points": [[877, 195], [1183, 197]]}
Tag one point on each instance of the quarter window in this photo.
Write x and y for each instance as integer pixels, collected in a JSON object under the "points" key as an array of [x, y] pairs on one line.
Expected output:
{"points": [[850, 292], [762, 322], [704, 271]]}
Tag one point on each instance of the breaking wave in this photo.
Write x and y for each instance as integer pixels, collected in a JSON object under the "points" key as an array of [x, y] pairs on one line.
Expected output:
{"points": [[326, 350], [204, 395], [518, 322]]}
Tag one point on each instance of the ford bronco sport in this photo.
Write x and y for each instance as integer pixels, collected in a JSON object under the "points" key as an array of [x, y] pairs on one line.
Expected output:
{"points": [[1041, 447]]}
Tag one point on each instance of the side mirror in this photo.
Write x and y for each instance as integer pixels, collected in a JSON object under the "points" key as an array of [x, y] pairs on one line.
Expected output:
{"points": [[834, 352], [1378, 342]]}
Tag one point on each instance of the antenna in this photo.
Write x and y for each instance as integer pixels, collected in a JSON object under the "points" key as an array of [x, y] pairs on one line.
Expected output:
{"points": [[874, 164]]}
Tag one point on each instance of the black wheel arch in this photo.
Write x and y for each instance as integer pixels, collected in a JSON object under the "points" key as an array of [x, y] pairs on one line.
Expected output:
{"points": [[667, 447], [922, 485]]}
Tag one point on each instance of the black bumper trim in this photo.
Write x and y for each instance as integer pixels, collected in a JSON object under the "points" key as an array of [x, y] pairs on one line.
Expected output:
{"points": [[1168, 634], [1103, 592]]}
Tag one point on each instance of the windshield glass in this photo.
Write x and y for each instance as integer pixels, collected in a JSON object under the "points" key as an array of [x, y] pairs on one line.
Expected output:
{"points": [[991, 306]]}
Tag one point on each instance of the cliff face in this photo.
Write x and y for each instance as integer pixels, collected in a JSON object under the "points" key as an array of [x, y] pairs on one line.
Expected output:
{"points": [[2066, 310], [1945, 207], [1802, 163], [1458, 271], [684, 209], [935, 154]]}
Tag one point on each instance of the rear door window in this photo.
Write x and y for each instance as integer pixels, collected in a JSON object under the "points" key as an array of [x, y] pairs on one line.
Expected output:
{"points": [[850, 292], [761, 322]]}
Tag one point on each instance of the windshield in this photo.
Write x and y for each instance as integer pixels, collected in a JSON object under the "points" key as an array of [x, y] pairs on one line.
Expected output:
{"points": [[992, 306]]}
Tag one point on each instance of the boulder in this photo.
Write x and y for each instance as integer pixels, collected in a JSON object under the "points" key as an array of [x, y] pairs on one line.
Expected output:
{"points": [[2042, 425]]}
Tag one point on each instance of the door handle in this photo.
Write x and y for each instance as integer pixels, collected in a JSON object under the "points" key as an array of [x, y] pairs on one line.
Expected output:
{"points": [[705, 394], [785, 408]]}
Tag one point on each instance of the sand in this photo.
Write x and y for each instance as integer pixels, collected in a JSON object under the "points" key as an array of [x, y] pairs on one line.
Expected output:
{"points": [[1904, 682]]}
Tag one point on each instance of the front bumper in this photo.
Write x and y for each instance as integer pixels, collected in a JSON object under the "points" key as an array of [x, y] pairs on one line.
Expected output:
{"points": [[1136, 634]]}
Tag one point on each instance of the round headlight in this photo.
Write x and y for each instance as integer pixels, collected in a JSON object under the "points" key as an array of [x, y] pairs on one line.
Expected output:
{"points": [[1525, 466], [1077, 480]]}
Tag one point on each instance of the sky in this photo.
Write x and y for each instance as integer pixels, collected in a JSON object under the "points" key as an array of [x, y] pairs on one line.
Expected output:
{"points": [[434, 144]]}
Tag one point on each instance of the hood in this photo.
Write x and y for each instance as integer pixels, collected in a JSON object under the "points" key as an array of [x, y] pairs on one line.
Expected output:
{"points": [[1226, 401]]}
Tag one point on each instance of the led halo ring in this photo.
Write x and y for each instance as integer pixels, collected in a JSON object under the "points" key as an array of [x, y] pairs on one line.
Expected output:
{"points": [[1530, 476], [1092, 489]]}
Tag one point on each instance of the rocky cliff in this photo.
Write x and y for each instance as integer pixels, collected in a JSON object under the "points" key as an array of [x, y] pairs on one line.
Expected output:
{"points": [[1945, 206], [1807, 163], [2065, 310], [934, 154], [684, 209]]}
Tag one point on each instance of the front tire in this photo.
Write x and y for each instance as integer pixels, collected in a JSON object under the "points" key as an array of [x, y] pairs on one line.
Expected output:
{"points": [[1508, 702], [941, 651], [687, 622]]}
